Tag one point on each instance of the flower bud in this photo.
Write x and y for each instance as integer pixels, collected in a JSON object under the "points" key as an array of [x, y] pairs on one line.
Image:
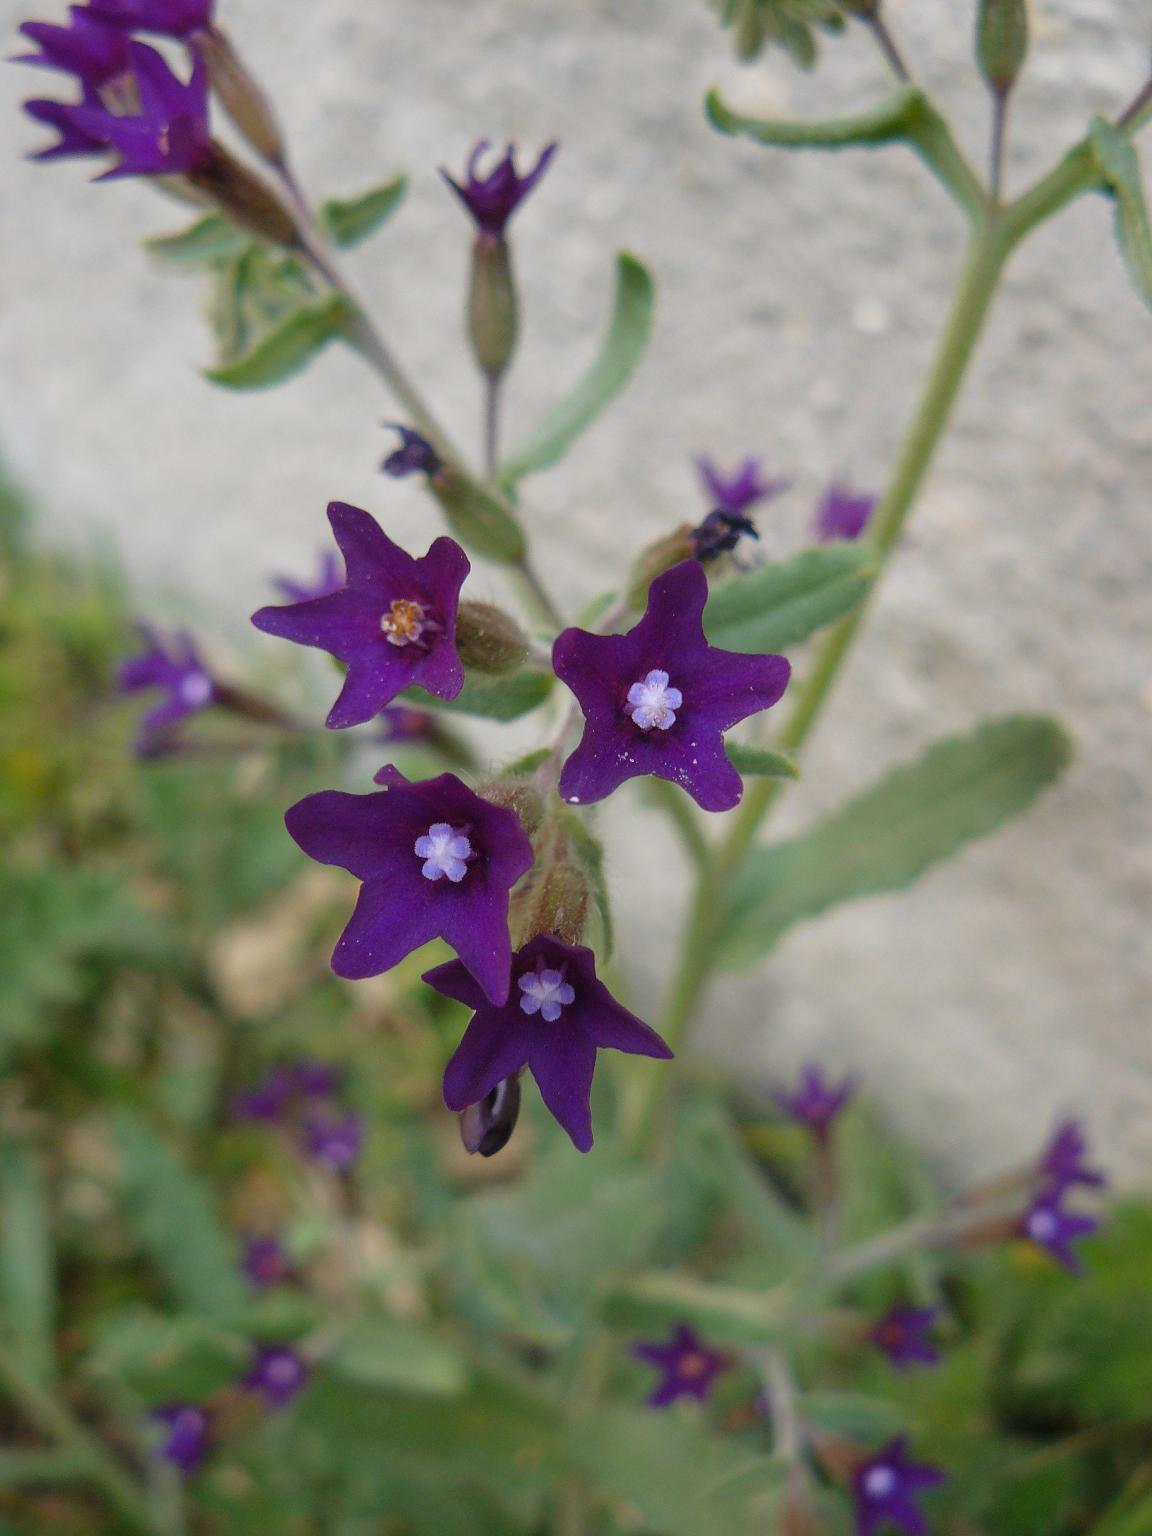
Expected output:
{"points": [[493, 311], [655, 560], [475, 516], [240, 96], [488, 639], [245, 198], [515, 795], [1001, 42], [487, 1127], [558, 904]]}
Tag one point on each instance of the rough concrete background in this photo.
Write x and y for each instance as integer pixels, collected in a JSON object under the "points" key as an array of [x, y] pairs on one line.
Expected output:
{"points": [[799, 301]]}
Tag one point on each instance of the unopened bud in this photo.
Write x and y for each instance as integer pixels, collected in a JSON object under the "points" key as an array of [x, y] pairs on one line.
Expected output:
{"points": [[487, 1127], [1001, 42], [559, 905], [488, 639], [493, 311], [515, 795], [655, 560], [245, 198], [240, 96]]}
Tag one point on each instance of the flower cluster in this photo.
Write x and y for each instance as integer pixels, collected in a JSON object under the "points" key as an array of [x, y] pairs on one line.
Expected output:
{"points": [[303, 1098], [274, 1376]]}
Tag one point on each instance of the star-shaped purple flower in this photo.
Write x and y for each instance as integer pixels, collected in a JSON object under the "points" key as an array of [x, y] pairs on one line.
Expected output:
{"points": [[903, 1334], [169, 136], [188, 1435], [328, 579], [842, 514], [436, 861], [415, 455], [175, 667], [658, 699], [264, 1262], [334, 1141], [393, 623], [493, 199], [74, 139], [1048, 1225], [689, 1367], [277, 1373], [1063, 1161], [556, 1016], [885, 1489], [743, 488], [816, 1103], [171, 18], [88, 47]]}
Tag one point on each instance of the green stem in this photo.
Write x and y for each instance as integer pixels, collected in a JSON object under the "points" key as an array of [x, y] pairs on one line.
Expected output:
{"points": [[977, 286], [46, 1410]]}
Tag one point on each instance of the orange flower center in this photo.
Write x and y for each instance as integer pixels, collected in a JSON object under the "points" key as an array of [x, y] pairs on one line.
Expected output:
{"points": [[404, 623]]}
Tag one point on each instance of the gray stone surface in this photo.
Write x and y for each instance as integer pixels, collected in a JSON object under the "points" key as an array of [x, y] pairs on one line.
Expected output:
{"points": [[799, 301]]}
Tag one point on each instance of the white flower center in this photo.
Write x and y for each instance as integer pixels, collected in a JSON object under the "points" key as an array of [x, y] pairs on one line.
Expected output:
{"points": [[195, 689], [879, 1482], [653, 704], [444, 851], [545, 993], [405, 623], [1042, 1225], [281, 1371]]}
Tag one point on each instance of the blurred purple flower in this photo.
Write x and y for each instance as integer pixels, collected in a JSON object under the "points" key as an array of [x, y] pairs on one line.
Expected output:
{"points": [[689, 1368], [171, 18], [843, 515], [265, 1263], [73, 138], [816, 1103], [188, 1438], [88, 47], [658, 699], [328, 579], [1063, 1161], [269, 1100], [886, 1486], [277, 1373], [415, 455], [169, 136], [174, 666], [493, 199], [558, 1014], [903, 1335], [1049, 1226], [335, 1142], [741, 489]]}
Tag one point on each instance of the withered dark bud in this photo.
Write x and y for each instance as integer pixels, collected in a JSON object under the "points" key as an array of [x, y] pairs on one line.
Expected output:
{"points": [[488, 639], [487, 1127]]}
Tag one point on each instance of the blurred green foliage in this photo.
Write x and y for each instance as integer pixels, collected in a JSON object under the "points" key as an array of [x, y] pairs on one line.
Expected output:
{"points": [[469, 1323]]}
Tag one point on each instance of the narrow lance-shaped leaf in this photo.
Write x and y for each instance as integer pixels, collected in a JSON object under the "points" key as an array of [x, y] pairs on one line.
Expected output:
{"points": [[759, 762], [622, 349], [893, 120], [389, 1355], [286, 347], [494, 698], [1119, 167], [210, 239], [777, 606], [27, 1281], [352, 219], [960, 790]]}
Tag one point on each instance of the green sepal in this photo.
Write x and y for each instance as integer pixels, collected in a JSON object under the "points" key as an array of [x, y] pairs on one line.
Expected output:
{"points": [[286, 347], [479, 519], [349, 220], [494, 698]]}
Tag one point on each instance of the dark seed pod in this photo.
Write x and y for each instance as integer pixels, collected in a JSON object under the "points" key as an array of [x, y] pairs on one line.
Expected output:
{"points": [[487, 1127]]}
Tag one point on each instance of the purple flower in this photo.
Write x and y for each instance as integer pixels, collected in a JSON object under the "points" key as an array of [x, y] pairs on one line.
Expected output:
{"points": [[327, 580], [393, 623], [741, 489], [689, 1367], [1049, 1226], [556, 1016], [172, 18], [816, 1103], [415, 455], [841, 515], [314, 1079], [400, 723], [658, 699], [1062, 1163], [436, 861], [74, 139], [175, 667], [903, 1335], [265, 1263], [334, 1142], [720, 532], [493, 199], [269, 1100], [277, 1373], [169, 136], [89, 47], [885, 1488], [188, 1439]]}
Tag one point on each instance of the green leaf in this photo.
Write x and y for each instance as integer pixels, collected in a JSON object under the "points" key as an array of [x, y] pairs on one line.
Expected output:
{"points": [[760, 763], [890, 122], [853, 1415], [350, 220], [777, 606], [495, 698], [165, 1359], [620, 352], [960, 790], [285, 348], [1119, 167], [787, 24], [657, 1300], [481, 521], [170, 1211], [377, 1352], [208, 240], [27, 1278]]}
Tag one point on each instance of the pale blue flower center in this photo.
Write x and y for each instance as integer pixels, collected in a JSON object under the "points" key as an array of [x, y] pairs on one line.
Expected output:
{"points": [[1042, 1226], [653, 703], [195, 689], [545, 993], [879, 1482], [444, 851]]}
